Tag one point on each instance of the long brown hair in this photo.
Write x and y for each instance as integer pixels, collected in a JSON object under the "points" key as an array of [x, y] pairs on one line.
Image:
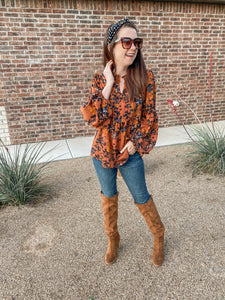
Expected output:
{"points": [[136, 78]]}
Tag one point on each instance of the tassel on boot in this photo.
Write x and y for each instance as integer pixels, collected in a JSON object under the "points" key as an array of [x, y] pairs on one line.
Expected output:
{"points": [[110, 212], [152, 218]]}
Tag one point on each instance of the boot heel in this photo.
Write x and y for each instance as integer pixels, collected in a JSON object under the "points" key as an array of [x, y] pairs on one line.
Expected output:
{"points": [[111, 253]]}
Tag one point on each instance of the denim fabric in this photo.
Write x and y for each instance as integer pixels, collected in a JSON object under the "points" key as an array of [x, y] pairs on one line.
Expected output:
{"points": [[133, 174]]}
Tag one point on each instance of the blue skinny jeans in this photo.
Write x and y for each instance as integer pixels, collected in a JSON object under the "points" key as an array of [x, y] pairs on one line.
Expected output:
{"points": [[133, 174]]}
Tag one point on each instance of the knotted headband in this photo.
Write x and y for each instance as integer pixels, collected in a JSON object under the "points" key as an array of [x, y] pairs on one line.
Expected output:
{"points": [[113, 29]]}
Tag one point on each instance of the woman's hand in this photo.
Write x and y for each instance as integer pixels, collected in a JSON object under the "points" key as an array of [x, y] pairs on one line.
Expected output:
{"points": [[109, 80], [108, 73], [130, 148]]}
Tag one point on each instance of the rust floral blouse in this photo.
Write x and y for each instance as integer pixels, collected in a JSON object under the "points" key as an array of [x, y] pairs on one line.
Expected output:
{"points": [[119, 120]]}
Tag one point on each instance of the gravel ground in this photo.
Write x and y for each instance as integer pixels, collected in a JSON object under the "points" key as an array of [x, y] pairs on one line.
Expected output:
{"points": [[55, 249]]}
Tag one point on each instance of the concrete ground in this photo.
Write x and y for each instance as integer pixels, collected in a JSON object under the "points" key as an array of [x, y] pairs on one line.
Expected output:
{"points": [[81, 146], [54, 249]]}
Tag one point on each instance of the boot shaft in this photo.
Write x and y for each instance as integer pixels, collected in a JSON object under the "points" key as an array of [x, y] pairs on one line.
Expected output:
{"points": [[110, 212], [152, 218]]}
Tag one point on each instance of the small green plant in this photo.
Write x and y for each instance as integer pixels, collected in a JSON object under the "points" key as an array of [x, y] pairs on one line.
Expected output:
{"points": [[21, 174], [209, 153], [208, 142]]}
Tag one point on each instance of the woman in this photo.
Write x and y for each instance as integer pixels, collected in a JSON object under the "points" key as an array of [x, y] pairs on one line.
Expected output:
{"points": [[121, 106]]}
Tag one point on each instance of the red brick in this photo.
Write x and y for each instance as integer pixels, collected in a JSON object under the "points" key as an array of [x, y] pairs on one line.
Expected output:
{"points": [[51, 49]]}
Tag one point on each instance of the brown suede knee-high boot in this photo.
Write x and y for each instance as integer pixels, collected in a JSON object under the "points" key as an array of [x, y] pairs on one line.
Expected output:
{"points": [[152, 218], [110, 212]]}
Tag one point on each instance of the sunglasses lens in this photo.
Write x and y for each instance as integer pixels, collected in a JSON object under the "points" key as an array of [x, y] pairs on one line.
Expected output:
{"points": [[138, 43], [127, 43]]}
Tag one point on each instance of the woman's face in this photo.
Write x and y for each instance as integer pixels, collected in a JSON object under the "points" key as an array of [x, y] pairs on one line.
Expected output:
{"points": [[125, 57]]}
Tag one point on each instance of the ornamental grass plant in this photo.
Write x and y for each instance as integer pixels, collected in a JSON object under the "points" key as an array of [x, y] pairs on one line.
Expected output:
{"points": [[21, 174], [207, 141], [208, 153]]}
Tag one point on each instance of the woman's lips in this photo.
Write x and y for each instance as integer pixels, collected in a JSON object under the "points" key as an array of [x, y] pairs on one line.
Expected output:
{"points": [[130, 55]]}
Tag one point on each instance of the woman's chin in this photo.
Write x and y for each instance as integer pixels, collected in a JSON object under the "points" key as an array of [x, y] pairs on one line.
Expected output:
{"points": [[129, 61]]}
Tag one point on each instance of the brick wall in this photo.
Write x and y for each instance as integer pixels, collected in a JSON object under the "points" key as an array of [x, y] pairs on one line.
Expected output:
{"points": [[51, 49]]}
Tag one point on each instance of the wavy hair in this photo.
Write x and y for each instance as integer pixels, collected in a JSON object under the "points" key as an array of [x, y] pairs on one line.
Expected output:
{"points": [[136, 78]]}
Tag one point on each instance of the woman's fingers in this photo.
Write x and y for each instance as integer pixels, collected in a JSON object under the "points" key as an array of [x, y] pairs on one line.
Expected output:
{"points": [[130, 148], [108, 72], [124, 148], [109, 64]]}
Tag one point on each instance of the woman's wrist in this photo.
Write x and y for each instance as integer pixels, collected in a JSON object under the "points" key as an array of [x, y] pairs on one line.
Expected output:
{"points": [[107, 90]]}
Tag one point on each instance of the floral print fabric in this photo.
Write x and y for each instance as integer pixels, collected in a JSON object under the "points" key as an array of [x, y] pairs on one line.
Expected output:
{"points": [[119, 120]]}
